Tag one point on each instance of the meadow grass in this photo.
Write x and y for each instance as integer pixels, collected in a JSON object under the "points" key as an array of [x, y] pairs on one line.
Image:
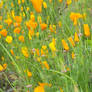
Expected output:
{"points": [[45, 46]]}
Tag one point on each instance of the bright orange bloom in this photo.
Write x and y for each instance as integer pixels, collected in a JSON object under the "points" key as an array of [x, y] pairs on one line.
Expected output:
{"points": [[8, 21], [12, 4], [1, 26], [73, 55], [60, 1], [39, 89], [86, 30], [21, 38], [17, 30], [37, 51], [4, 66], [43, 26], [46, 65], [74, 17], [44, 84], [76, 38], [42, 52], [3, 32], [52, 28], [18, 19], [71, 41], [12, 52], [29, 73], [23, 1], [65, 45], [37, 4]]}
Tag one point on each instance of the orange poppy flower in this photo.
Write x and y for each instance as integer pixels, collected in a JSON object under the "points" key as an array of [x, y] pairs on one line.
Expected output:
{"points": [[17, 30], [39, 89], [76, 38], [46, 65], [18, 19], [3, 32], [37, 4], [71, 41], [8, 21], [12, 52], [21, 38], [86, 30], [43, 26], [65, 45], [1, 26]]}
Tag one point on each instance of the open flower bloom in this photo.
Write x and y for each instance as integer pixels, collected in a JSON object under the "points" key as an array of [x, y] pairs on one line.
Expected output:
{"points": [[43, 26], [9, 39], [8, 21], [65, 45], [37, 4], [71, 41], [74, 17], [86, 30], [18, 19], [3, 67], [17, 30], [3, 32], [76, 38], [21, 38], [39, 89]]}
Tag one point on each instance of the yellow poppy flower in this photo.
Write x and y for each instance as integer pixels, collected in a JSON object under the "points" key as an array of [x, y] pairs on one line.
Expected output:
{"points": [[9, 39], [25, 51], [44, 5]]}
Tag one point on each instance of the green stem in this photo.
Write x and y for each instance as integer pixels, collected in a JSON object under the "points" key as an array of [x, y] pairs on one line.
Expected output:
{"points": [[10, 57]]}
